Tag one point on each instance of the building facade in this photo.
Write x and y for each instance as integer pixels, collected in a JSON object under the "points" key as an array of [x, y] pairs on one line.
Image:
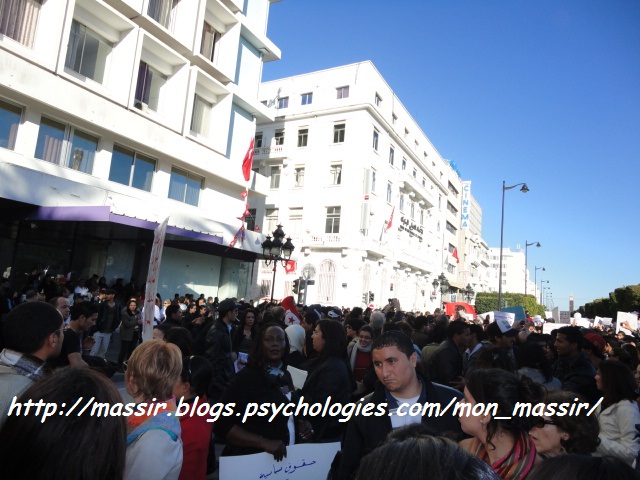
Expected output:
{"points": [[373, 209], [117, 114]]}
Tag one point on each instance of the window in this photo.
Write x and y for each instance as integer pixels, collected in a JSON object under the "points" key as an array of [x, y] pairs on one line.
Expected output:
{"points": [[258, 140], [376, 136], [250, 220], [451, 228], [422, 216], [19, 19], [274, 175], [378, 100], [65, 146], [413, 210], [10, 116], [279, 137], [131, 168], [392, 153], [342, 92], [424, 182], [389, 191], [299, 177], [338, 133], [283, 102], [404, 164], [406, 133], [307, 98], [303, 135], [185, 187], [294, 225], [87, 52], [210, 39], [150, 83], [416, 145], [453, 189], [271, 220], [394, 119], [201, 116], [373, 181], [333, 220], [335, 174], [401, 206], [414, 173], [451, 208], [161, 11]]}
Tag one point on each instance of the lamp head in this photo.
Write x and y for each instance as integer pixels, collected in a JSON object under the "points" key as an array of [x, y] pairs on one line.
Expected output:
{"points": [[524, 188]]}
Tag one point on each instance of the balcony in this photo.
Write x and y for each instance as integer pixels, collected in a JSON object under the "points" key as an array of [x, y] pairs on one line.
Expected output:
{"points": [[268, 152]]}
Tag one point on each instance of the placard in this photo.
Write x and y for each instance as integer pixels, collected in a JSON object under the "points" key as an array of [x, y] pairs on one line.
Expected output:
{"points": [[510, 317], [550, 327], [311, 461], [630, 318], [298, 376]]}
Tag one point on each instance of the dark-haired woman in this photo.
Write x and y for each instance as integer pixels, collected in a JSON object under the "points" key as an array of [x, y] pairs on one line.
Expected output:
{"points": [[499, 438], [535, 365], [246, 332], [618, 415], [263, 380], [191, 390], [565, 434], [329, 377], [129, 330]]}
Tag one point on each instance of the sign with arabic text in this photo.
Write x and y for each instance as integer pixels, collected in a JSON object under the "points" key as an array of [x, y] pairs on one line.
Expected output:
{"points": [[310, 461]]}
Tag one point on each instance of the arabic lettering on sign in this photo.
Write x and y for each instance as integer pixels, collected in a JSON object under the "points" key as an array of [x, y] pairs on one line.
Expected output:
{"points": [[411, 227], [303, 462]]}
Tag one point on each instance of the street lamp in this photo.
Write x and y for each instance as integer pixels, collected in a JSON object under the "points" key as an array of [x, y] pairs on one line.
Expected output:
{"points": [[275, 251], [435, 284], [526, 273], [535, 276], [524, 189], [468, 293], [444, 285], [541, 282]]}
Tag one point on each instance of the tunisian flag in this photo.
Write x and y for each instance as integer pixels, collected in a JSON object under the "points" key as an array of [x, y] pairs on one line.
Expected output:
{"points": [[291, 317], [455, 255], [290, 266], [390, 222], [248, 162]]}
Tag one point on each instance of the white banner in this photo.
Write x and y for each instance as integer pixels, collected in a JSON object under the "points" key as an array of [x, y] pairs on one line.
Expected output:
{"points": [[152, 280], [311, 461], [627, 318], [506, 316], [550, 327]]}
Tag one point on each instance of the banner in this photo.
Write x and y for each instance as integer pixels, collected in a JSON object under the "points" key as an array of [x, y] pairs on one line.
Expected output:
{"points": [[509, 317], [627, 318], [152, 280], [310, 461]]}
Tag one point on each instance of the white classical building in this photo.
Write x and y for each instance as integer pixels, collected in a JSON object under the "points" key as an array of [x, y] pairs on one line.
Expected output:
{"points": [[117, 114], [373, 209]]}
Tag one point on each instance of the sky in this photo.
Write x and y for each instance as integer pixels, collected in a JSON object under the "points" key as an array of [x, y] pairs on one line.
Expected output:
{"points": [[545, 92]]}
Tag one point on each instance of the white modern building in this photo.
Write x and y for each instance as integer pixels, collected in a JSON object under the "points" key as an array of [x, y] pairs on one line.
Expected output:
{"points": [[117, 114], [513, 272], [373, 209]]}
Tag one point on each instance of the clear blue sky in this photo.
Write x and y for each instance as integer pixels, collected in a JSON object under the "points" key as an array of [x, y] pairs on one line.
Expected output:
{"points": [[536, 91]]}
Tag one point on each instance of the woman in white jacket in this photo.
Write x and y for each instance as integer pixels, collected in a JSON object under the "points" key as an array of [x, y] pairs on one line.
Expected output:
{"points": [[619, 414]]}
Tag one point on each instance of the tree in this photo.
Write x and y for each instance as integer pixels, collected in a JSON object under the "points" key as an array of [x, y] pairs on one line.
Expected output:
{"points": [[488, 301]]}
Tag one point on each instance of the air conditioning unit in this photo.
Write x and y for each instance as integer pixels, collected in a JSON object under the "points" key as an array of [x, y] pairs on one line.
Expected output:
{"points": [[141, 105]]}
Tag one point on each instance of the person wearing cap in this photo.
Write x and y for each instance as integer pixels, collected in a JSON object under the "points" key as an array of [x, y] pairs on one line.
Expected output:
{"points": [[219, 346], [573, 368], [593, 348], [502, 335]]}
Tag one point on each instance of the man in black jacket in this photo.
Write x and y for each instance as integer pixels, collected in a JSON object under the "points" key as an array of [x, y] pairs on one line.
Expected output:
{"points": [[446, 365], [400, 388], [573, 368], [219, 348]]}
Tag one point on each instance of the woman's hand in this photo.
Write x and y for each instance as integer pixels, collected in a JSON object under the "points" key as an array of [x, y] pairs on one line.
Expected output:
{"points": [[276, 448]]}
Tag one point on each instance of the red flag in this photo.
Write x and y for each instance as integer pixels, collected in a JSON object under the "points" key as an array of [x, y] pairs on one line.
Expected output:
{"points": [[290, 266], [455, 255], [248, 162], [390, 222], [292, 316]]}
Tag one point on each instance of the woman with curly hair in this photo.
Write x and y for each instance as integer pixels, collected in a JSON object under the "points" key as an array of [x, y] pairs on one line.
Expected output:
{"points": [[499, 438], [555, 435]]}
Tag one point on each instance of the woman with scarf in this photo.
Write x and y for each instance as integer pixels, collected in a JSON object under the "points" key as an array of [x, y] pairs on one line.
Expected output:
{"points": [[263, 380], [154, 446], [499, 437], [360, 360]]}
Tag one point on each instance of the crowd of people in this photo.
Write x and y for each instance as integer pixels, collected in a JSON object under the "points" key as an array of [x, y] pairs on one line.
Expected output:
{"points": [[207, 351]]}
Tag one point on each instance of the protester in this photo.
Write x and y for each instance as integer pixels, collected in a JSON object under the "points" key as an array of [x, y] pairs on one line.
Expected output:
{"points": [[154, 448], [583, 467], [501, 442], [296, 336], [80, 447], [618, 414], [555, 435], [264, 379], [129, 331]]}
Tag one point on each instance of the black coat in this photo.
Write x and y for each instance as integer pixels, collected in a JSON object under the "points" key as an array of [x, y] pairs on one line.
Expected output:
{"points": [[254, 385], [364, 433], [578, 375], [218, 350], [445, 365]]}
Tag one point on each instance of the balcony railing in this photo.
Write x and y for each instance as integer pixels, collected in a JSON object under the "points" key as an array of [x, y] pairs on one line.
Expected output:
{"points": [[275, 151]]}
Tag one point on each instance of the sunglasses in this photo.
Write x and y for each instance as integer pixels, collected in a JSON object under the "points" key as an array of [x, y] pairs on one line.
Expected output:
{"points": [[541, 422]]}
